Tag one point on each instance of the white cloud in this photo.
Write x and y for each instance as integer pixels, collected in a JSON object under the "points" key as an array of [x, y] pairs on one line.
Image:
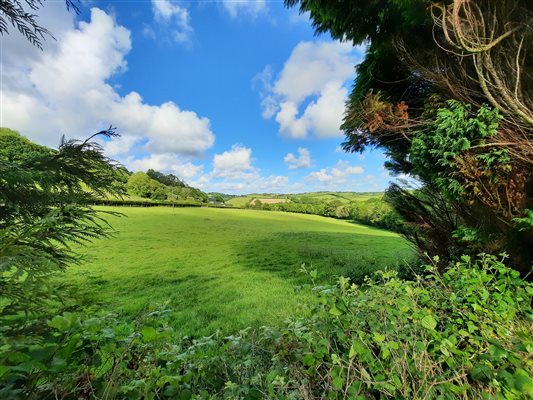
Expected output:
{"points": [[336, 175], [303, 161], [248, 7], [67, 90], [321, 176], [18, 51], [174, 17], [167, 163], [167, 127], [120, 146], [233, 172], [262, 82], [234, 164], [269, 184], [309, 93], [354, 170], [289, 124], [324, 115], [313, 65]]}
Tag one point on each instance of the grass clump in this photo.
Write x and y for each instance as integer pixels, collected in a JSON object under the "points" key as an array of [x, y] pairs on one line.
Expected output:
{"points": [[463, 334]]}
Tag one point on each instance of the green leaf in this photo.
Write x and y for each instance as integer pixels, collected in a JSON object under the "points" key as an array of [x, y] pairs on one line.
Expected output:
{"points": [[352, 352], [58, 364], [149, 333], [3, 370], [523, 382], [393, 345], [60, 323], [429, 322], [481, 372], [378, 337], [309, 360], [338, 382], [335, 311], [385, 354]]}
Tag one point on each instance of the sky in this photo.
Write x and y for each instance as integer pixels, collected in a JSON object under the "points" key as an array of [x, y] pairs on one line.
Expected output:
{"points": [[231, 96]]}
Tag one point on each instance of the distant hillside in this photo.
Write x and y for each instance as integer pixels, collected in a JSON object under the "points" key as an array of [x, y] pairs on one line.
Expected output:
{"points": [[368, 208], [156, 186], [150, 187], [307, 197]]}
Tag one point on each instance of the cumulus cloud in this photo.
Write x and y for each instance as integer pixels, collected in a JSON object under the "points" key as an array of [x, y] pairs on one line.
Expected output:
{"points": [[234, 164], [68, 90], [268, 184], [262, 82], [336, 175], [167, 163], [302, 161], [309, 93], [233, 172], [321, 176], [172, 16], [244, 7]]}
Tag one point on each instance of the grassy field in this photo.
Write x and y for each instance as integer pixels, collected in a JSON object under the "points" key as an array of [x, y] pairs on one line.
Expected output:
{"points": [[344, 197], [223, 269]]}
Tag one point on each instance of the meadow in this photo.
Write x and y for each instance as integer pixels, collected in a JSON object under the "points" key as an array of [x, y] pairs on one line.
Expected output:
{"points": [[343, 197], [224, 269]]}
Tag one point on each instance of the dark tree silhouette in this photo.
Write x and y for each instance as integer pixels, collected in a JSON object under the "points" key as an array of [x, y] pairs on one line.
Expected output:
{"points": [[20, 14]]}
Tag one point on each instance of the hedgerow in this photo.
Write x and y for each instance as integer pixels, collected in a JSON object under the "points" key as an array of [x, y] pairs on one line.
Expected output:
{"points": [[465, 333]]}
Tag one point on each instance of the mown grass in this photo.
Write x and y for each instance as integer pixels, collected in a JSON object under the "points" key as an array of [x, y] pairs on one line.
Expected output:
{"points": [[223, 269]]}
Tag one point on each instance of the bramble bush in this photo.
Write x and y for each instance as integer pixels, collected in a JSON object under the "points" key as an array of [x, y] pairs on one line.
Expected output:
{"points": [[465, 333]]}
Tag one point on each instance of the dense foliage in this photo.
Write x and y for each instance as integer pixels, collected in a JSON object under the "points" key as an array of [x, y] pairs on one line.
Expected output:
{"points": [[374, 211], [463, 334], [158, 186], [45, 198], [445, 91], [166, 179]]}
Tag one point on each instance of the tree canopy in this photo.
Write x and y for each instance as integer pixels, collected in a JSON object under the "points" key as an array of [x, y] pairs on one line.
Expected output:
{"points": [[445, 89]]}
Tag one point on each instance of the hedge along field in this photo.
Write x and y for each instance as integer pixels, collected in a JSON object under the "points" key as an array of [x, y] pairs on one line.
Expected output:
{"points": [[223, 268]]}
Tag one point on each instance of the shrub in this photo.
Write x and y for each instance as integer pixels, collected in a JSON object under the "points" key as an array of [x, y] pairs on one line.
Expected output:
{"points": [[463, 334]]}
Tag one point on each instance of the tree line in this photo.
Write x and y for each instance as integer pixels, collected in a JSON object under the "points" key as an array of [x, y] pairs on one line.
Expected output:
{"points": [[374, 211]]}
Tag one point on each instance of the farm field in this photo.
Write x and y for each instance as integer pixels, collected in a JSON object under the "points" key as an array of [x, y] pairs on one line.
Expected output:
{"points": [[344, 197], [223, 268]]}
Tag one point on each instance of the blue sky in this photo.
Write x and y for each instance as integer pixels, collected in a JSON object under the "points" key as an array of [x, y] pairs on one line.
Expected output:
{"points": [[232, 96]]}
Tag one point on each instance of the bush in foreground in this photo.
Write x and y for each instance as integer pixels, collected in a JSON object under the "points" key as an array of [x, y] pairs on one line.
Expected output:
{"points": [[464, 334]]}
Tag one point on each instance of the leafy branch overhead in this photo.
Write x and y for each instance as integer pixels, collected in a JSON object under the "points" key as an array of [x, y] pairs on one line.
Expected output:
{"points": [[20, 15], [45, 198], [445, 90]]}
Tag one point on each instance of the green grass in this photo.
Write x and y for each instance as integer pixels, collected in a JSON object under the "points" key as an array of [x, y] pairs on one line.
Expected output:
{"points": [[223, 269], [344, 197], [240, 201]]}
